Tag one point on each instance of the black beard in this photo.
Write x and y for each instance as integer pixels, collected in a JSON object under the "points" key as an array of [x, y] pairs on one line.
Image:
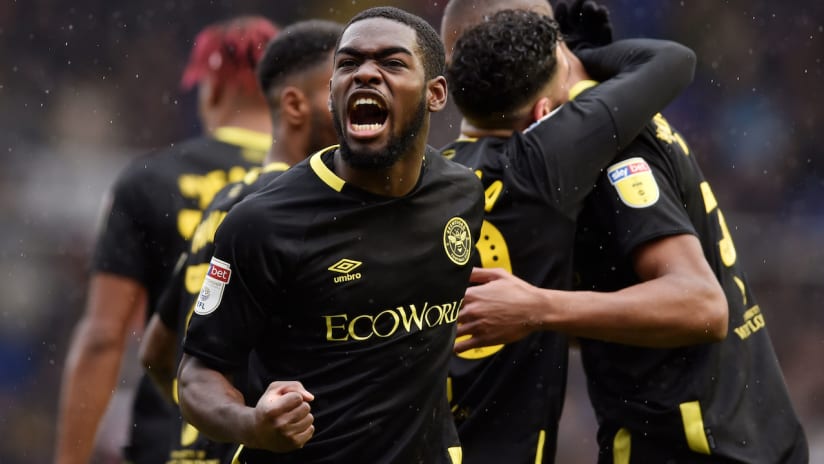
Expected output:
{"points": [[395, 148]]}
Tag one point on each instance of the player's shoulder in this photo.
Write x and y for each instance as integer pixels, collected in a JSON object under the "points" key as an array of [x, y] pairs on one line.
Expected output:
{"points": [[274, 199], [449, 170], [658, 143], [469, 150], [246, 218], [163, 161]]}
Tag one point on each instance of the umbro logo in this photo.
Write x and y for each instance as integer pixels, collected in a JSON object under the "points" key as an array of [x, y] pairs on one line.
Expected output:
{"points": [[345, 268]]}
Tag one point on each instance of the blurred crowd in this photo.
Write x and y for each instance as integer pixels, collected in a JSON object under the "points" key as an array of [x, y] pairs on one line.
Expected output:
{"points": [[85, 85]]}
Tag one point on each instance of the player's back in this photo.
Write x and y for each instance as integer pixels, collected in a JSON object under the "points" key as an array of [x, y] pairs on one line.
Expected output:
{"points": [[154, 207], [156, 204], [521, 394], [655, 189]]}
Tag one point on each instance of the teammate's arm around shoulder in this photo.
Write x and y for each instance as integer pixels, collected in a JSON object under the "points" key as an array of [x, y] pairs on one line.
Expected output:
{"points": [[640, 77], [678, 302], [281, 421]]}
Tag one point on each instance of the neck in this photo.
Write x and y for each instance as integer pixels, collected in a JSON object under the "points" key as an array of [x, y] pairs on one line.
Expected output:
{"points": [[288, 146], [246, 118], [394, 181], [577, 72], [468, 130], [236, 109]]}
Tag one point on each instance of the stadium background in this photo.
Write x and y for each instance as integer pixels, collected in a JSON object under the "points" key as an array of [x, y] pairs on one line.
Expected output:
{"points": [[85, 85]]}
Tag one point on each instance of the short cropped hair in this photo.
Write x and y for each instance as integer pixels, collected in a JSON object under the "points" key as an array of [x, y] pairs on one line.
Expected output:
{"points": [[428, 41], [500, 65], [298, 47]]}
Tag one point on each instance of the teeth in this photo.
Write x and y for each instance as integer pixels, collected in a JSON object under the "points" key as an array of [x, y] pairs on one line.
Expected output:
{"points": [[368, 101], [366, 127]]}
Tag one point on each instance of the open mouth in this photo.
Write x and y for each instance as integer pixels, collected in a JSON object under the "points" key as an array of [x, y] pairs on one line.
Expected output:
{"points": [[367, 115]]}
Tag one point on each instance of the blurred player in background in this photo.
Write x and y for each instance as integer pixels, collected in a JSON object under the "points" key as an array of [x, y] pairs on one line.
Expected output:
{"points": [[294, 75], [154, 207], [538, 156]]}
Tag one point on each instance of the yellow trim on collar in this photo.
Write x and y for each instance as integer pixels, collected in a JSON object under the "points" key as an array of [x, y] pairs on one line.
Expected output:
{"points": [[236, 457], [243, 138], [580, 87], [275, 166], [323, 172]]}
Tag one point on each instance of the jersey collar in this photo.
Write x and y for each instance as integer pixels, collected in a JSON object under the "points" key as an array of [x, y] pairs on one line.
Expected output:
{"points": [[580, 86], [323, 172], [245, 138]]}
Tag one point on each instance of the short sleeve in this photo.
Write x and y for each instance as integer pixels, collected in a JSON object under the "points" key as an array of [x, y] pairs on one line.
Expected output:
{"points": [[169, 304], [578, 140], [121, 241], [235, 302], [638, 197]]}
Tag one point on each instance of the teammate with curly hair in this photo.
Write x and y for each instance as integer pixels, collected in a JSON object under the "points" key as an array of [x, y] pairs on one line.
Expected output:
{"points": [[538, 155]]}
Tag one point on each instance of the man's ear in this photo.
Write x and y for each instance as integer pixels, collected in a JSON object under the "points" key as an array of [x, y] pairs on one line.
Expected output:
{"points": [[436, 94], [541, 108], [293, 106]]}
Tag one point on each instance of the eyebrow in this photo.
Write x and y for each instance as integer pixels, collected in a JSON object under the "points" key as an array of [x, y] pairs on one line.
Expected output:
{"points": [[383, 53]]}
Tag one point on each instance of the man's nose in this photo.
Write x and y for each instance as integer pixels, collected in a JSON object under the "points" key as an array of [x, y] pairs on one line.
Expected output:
{"points": [[368, 73]]}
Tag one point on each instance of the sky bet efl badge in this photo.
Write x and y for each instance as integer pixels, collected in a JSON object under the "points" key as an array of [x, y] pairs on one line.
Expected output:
{"points": [[634, 182], [212, 291]]}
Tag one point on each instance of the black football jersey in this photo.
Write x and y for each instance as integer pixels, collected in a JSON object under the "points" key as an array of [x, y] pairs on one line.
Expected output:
{"points": [[507, 400], [724, 399], [353, 294], [154, 207], [176, 303]]}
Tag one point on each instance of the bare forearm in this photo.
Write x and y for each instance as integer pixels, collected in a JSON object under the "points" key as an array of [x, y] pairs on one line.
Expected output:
{"points": [[163, 379], [666, 312], [89, 380], [210, 402], [157, 353]]}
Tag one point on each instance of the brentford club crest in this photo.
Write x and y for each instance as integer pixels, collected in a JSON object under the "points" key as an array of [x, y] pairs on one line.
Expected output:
{"points": [[457, 241]]}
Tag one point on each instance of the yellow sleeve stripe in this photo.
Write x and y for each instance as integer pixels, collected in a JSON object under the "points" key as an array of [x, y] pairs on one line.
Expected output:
{"points": [[694, 427]]}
